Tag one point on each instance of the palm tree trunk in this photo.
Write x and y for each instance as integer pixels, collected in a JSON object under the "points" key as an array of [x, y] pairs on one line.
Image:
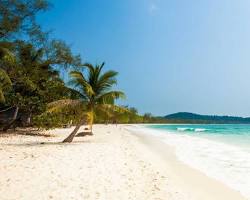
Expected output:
{"points": [[16, 113], [91, 119], [28, 121], [6, 127], [73, 133]]}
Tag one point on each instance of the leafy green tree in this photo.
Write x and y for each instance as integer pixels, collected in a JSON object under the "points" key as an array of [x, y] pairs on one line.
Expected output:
{"points": [[60, 113], [30, 63], [35, 79], [95, 89], [18, 17]]}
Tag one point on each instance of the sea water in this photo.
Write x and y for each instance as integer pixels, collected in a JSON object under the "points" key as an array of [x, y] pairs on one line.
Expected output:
{"points": [[219, 151]]}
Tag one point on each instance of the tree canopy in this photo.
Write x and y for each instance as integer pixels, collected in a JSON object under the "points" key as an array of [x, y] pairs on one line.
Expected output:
{"points": [[31, 65], [95, 92], [18, 17]]}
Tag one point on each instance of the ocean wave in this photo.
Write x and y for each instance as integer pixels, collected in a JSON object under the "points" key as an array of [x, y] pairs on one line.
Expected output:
{"points": [[192, 129], [185, 129], [222, 161], [201, 129]]}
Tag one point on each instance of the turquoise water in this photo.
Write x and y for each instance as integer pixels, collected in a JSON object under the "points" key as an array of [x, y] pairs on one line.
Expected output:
{"points": [[219, 151], [235, 134]]}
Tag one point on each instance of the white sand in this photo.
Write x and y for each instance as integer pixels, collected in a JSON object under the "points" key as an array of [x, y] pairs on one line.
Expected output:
{"points": [[111, 165]]}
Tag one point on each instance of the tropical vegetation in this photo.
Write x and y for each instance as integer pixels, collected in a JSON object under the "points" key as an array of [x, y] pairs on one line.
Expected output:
{"points": [[95, 93], [32, 89]]}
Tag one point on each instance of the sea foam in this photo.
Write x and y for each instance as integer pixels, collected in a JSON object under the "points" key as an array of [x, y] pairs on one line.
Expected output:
{"points": [[227, 163]]}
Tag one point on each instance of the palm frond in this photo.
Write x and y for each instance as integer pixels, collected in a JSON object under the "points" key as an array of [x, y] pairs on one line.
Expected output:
{"points": [[106, 81], [110, 97], [79, 80], [57, 106], [96, 86], [89, 66], [99, 69], [109, 109]]}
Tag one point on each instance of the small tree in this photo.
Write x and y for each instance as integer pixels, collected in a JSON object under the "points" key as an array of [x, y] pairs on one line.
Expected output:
{"points": [[95, 89]]}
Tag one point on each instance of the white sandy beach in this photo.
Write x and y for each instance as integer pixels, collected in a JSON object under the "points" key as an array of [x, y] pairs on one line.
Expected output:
{"points": [[113, 164]]}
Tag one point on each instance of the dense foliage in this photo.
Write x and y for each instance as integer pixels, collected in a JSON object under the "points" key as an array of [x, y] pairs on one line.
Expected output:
{"points": [[31, 88], [30, 63]]}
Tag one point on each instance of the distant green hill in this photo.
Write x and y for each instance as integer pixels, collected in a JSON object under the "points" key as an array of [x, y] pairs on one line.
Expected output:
{"points": [[186, 117]]}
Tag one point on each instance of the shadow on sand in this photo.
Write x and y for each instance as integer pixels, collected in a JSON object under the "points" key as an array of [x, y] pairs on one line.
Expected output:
{"points": [[28, 132], [39, 143], [44, 144]]}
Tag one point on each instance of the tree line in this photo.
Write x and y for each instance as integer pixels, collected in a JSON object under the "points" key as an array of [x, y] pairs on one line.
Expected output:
{"points": [[32, 92]]}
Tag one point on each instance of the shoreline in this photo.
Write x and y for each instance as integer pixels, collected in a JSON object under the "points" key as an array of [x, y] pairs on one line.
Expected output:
{"points": [[113, 164], [192, 180]]}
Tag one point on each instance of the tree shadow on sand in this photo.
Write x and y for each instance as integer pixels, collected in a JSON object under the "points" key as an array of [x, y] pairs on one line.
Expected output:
{"points": [[25, 132], [84, 133], [39, 142], [44, 144]]}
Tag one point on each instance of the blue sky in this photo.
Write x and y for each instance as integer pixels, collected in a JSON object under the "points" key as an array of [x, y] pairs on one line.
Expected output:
{"points": [[171, 55]]}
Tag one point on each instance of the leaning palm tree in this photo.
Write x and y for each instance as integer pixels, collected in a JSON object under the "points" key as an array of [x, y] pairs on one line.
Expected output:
{"points": [[95, 91]]}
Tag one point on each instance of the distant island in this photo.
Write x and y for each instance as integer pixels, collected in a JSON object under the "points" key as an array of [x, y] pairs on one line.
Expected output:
{"points": [[186, 117]]}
